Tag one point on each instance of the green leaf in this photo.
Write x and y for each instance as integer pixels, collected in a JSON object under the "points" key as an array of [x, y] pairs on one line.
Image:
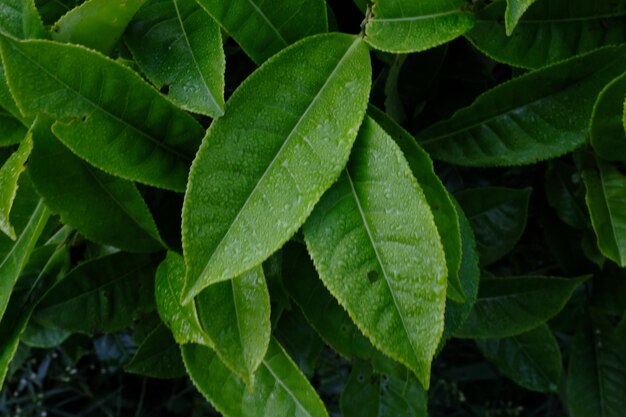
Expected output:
{"points": [[12, 263], [103, 295], [402, 26], [531, 359], [550, 31], [9, 176], [515, 9], [283, 141], [231, 317], [20, 19], [158, 356], [498, 217], [607, 132], [536, 116], [439, 200], [37, 336], [565, 193], [509, 306], [597, 370], [11, 130], [606, 199], [262, 28], [97, 24], [53, 10], [117, 214], [109, 116], [375, 244], [179, 46], [280, 389], [301, 342]]}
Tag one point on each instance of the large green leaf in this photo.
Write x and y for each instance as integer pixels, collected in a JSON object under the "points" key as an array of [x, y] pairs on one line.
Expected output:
{"points": [[283, 141], [515, 9], [537, 116], [158, 356], [116, 215], [531, 359], [606, 199], [179, 46], [375, 244], [368, 394], [97, 24], [109, 116], [20, 19], [509, 306], [10, 173], [12, 263], [607, 131], [498, 217], [439, 200], [231, 317], [402, 26], [597, 370], [550, 31], [279, 390], [10, 130], [262, 27], [103, 295]]}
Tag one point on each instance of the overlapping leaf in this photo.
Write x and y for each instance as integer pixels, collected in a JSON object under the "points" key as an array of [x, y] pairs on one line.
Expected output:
{"points": [[10, 173], [179, 47], [537, 116], [375, 244], [402, 26], [262, 28], [607, 131], [158, 356], [20, 19], [285, 136], [515, 9], [108, 115]]}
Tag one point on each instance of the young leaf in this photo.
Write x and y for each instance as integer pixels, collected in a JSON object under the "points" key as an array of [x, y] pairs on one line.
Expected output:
{"points": [[20, 19], [12, 263], [509, 306], [97, 24], [498, 217], [607, 132], [283, 141], [279, 390], [550, 31], [606, 199], [375, 244], [232, 317], [9, 176], [262, 28], [117, 214], [109, 116], [597, 370], [533, 117], [158, 356], [179, 46], [439, 200], [368, 394], [103, 295], [531, 359], [402, 26], [515, 9]]}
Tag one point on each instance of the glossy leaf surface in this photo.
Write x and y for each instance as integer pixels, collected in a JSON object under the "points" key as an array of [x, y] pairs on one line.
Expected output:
{"points": [[262, 28], [550, 31], [536, 116], [146, 140], [385, 263], [607, 131], [283, 141], [531, 359], [179, 46], [509, 306], [97, 24], [116, 215], [402, 26], [498, 217], [10, 173], [20, 19], [279, 390]]}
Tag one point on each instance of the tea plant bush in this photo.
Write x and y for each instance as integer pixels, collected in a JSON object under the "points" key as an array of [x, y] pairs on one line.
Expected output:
{"points": [[310, 208]]}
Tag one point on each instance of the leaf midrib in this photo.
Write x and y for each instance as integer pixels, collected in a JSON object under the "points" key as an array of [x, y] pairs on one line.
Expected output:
{"points": [[416, 18], [280, 150]]}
